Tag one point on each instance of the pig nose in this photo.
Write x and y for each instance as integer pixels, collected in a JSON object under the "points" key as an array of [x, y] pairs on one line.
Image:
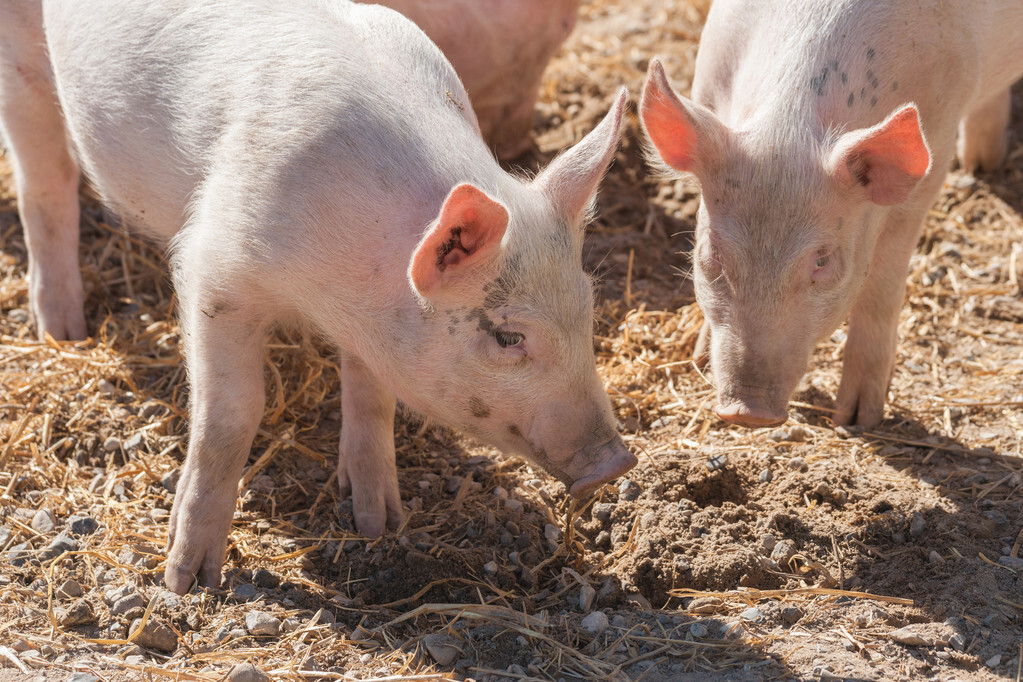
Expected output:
{"points": [[751, 415], [610, 461]]}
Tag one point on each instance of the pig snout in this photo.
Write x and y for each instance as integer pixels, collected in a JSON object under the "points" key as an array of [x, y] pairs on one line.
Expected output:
{"points": [[593, 466], [750, 406]]}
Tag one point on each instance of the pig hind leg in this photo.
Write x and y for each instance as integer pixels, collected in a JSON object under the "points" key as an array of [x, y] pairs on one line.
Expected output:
{"points": [[224, 335], [982, 139], [45, 175], [366, 463]]}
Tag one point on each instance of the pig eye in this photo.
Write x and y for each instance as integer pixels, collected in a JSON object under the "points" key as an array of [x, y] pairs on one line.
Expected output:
{"points": [[508, 339], [822, 260]]}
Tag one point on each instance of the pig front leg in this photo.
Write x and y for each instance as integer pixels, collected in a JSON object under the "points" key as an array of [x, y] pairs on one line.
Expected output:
{"points": [[873, 324], [46, 180], [982, 140], [224, 341], [366, 465]]}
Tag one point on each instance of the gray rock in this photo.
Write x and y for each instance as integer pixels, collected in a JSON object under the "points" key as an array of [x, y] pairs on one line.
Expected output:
{"points": [[958, 641], [917, 525], [791, 614], [81, 677], [752, 613], [935, 558], [82, 524], [444, 649], [1011, 562], [262, 623], [42, 522], [698, 630], [783, 551], [648, 520], [602, 511], [134, 443], [767, 543], [127, 603], [265, 579], [910, 637], [246, 672], [112, 444], [69, 589], [629, 490], [513, 505], [595, 623], [243, 592], [766, 475], [112, 595], [80, 612], [155, 635], [993, 661], [60, 544]]}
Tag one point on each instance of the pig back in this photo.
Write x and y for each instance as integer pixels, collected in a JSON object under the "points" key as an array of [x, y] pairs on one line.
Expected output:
{"points": [[163, 98]]}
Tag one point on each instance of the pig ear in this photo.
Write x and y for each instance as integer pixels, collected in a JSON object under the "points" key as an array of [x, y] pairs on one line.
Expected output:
{"points": [[467, 233], [572, 178], [888, 159], [686, 135]]}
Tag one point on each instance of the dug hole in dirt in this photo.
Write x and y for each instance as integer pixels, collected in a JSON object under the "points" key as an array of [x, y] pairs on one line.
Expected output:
{"points": [[802, 552]]}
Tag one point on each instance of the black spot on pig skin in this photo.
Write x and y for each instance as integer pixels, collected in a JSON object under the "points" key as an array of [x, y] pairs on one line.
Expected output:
{"points": [[478, 408], [818, 82], [852, 98], [454, 242], [873, 101], [895, 85], [484, 323], [452, 329], [843, 77], [870, 53]]}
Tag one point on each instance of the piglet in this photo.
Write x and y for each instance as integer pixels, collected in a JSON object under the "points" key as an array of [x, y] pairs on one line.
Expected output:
{"points": [[331, 171], [820, 133], [499, 49]]}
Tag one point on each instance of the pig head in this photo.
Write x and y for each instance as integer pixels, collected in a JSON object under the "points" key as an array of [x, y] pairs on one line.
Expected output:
{"points": [[786, 236]]}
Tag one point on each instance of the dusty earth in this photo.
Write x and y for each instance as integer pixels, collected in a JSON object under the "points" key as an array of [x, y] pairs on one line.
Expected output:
{"points": [[802, 552]]}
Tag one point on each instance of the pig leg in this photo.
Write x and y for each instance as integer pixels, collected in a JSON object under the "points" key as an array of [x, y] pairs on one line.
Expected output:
{"points": [[224, 340], [873, 324], [46, 177], [366, 463], [982, 141]]}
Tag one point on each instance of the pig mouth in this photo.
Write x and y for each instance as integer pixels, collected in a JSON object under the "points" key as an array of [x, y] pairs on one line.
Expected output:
{"points": [[597, 464], [750, 406]]}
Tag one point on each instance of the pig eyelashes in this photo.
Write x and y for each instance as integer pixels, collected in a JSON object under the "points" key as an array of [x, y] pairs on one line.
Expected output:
{"points": [[508, 339]]}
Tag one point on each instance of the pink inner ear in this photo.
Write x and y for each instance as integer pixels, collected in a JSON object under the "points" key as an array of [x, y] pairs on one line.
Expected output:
{"points": [[889, 159], [469, 229], [667, 123]]}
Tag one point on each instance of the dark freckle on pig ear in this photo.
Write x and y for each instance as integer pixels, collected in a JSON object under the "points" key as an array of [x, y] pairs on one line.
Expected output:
{"points": [[852, 98], [895, 85], [452, 330], [844, 77], [870, 53], [873, 101]]}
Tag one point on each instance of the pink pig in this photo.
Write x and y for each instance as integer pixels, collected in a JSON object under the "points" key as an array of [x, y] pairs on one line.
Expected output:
{"points": [[820, 133], [333, 171], [499, 49]]}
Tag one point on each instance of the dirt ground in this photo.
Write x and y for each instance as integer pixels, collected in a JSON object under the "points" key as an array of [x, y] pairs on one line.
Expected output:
{"points": [[803, 552]]}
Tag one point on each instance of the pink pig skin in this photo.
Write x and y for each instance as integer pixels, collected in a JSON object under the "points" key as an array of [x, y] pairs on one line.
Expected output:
{"points": [[499, 49], [331, 170], [820, 133]]}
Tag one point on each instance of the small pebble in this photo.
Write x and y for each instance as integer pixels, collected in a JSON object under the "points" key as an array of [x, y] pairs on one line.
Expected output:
{"points": [[135, 442], [490, 567], [752, 613], [917, 525], [603, 539], [81, 676], [791, 614], [958, 641], [79, 612], [261, 623], [246, 672], [59, 545], [783, 551], [1011, 562], [42, 522], [265, 579], [513, 505], [602, 511], [797, 464], [154, 635], [553, 534], [629, 490], [112, 444], [910, 637], [443, 648], [717, 462], [935, 558], [243, 592], [822, 490], [767, 543], [69, 589], [993, 661], [766, 475], [799, 433], [698, 630], [779, 436], [649, 520], [127, 603], [595, 623], [106, 387], [82, 524]]}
